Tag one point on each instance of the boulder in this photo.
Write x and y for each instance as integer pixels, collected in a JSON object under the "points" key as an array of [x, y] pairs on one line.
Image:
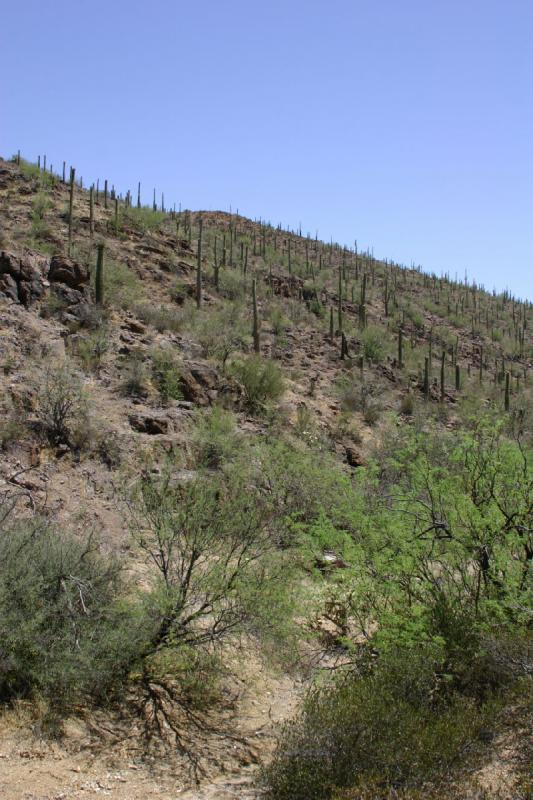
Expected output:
{"points": [[199, 383], [9, 288], [66, 270], [23, 277], [149, 422]]}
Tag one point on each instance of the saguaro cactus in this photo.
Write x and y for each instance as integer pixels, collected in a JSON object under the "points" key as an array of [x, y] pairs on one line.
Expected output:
{"points": [[91, 210], [426, 377], [199, 267], [99, 277], [507, 391], [442, 368], [256, 318], [331, 326], [71, 208], [339, 310], [105, 193], [457, 377], [400, 347]]}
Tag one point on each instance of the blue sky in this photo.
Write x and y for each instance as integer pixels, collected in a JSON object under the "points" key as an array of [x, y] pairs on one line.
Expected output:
{"points": [[406, 125]]}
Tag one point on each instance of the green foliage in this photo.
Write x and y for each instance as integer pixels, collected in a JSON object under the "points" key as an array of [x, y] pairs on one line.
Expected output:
{"points": [[135, 378], [44, 180], [215, 439], [142, 219], [162, 317], [373, 344], [64, 634], [91, 348], [383, 724], [261, 380], [122, 287], [167, 374], [62, 406], [222, 332]]}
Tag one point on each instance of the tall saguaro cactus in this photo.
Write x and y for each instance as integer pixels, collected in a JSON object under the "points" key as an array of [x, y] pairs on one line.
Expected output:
{"points": [[199, 267], [91, 210], [426, 377], [71, 209], [400, 346], [99, 278], [507, 391], [256, 318]]}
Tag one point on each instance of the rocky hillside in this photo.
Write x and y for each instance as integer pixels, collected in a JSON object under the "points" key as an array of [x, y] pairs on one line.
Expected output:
{"points": [[197, 332]]}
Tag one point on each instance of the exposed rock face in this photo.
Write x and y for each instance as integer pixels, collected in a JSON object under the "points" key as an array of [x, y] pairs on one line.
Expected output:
{"points": [[65, 270], [150, 422], [23, 278], [199, 383]]}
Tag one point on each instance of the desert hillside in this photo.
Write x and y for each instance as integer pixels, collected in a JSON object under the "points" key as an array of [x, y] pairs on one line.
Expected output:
{"points": [[250, 483]]}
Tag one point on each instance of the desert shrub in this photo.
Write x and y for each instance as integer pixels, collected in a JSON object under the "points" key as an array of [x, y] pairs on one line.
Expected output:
{"points": [[383, 723], [278, 320], [407, 404], [207, 541], [134, 379], [91, 348], [163, 318], [12, 430], [261, 380], [372, 412], [215, 439], [45, 180], [62, 405], [231, 284], [167, 375], [142, 219], [195, 673], [221, 333], [40, 229], [373, 344], [122, 287], [63, 634]]}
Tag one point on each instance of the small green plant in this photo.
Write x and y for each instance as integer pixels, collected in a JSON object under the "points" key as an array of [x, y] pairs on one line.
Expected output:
{"points": [[62, 406], [261, 380], [373, 344], [91, 348], [215, 439], [135, 380], [142, 219], [121, 286], [166, 374]]}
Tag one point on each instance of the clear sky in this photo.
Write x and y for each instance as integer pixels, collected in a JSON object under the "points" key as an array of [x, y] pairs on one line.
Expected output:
{"points": [[404, 124]]}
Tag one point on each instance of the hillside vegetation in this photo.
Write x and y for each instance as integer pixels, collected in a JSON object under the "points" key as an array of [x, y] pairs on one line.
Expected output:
{"points": [[226, 446]]}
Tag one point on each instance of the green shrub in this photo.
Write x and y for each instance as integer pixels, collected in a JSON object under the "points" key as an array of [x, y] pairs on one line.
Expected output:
{"points": [[64, 636], [261, 380], [91, 348], [62, 406], [373, 344], [167, 375], [142, 219], [163, 318], [135, 379], [215, 439], [122, 287], [384, 723]]}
